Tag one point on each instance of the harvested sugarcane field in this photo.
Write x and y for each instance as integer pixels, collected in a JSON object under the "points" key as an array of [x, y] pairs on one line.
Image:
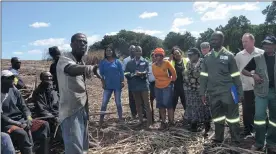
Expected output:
{"points": [[129, 137]]}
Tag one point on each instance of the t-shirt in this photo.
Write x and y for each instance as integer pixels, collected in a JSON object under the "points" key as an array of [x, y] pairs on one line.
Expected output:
{"points": [[162, 78], [270, 62], [179, 68]]}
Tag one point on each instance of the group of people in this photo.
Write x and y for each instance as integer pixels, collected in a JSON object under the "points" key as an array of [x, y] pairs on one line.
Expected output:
{"points": [[209, 83]]}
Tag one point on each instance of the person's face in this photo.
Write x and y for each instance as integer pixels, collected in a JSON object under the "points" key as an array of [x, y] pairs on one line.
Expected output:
{"points": [[247, 43], [205, 51], [47, 79], [79, 45], [193, 57], [16, 65], [153, 58], [216, 41], [269, 48], [108, 52], [159, 57], [177, 55], [7, 82], [138, 53], [132, 51]]}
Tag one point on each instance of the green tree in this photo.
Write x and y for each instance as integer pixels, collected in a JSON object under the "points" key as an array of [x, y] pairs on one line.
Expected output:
{"points": [[270, 12]]}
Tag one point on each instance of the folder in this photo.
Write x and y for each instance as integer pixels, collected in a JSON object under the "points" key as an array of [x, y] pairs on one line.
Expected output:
{"points": [[235, 94]]}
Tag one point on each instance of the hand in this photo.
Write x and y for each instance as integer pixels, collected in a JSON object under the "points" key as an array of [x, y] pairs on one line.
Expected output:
{"points": [[122, 84], [257, 79], [139, 73], [29, 124], [203, 99]]}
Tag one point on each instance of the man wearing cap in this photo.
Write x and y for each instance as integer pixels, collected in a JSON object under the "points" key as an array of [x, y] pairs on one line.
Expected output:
{"points": [[45, 99], [265, 91], [218, 75], [248, 104], [205, 48], [16, 64], [16, 119], [55, 54]]}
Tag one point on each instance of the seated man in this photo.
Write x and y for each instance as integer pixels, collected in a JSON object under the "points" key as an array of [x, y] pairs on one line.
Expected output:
{"points": [[45, 99], [6, 144], [16, 64], [16, 119]]}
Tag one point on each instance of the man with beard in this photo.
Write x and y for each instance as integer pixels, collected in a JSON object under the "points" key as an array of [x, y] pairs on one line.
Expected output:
{"points": [[73, 102], [16, 119], [45, 99], [219, 73], [55, 54], [16, 64]]}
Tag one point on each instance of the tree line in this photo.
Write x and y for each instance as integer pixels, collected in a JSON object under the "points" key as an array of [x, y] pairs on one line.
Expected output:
{"points": [[233, 32]]}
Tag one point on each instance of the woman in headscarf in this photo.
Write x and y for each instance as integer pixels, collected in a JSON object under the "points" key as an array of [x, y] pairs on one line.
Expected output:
{"points": [[196, 112], [165, 75]]}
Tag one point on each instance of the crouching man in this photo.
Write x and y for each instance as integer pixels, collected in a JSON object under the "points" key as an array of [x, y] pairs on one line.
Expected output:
{"points": [[46, 103], [16, 119]]}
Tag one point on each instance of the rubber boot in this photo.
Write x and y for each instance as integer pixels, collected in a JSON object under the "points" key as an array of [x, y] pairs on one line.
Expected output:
{"points": [[44, 147]]}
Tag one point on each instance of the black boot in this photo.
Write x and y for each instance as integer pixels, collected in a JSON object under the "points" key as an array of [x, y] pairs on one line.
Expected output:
{"points": [[207, 127], [44, 147], [194, 127]]}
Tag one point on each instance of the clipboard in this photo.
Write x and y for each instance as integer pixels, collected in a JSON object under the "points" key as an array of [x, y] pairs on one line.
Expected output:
{"points": [[234, 94]]}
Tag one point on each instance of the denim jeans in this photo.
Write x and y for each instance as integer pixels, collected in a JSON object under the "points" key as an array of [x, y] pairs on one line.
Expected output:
{"points": [[164, 97], [6, 144], [75, 133], [106, 97]]}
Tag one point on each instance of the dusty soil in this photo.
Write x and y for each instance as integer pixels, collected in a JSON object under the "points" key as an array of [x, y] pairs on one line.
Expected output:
{"points": [[129, 137]]}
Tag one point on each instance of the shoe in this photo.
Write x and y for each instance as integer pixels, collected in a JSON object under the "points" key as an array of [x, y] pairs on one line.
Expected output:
{"points": [[171, 124], [163, 125], [255, 148], [245, 134]]}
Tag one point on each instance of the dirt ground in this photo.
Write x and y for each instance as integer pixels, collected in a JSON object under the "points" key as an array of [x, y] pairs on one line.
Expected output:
{"points": [[128, 137]]}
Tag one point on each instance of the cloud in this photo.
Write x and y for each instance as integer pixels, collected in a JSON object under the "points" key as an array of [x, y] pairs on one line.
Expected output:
{"points": [[180, 22], [49, 42], [222, 11], [92, 39], [148, 15], [64, 47], [111, 33], [201, 7], [34, 51], [179, 14], [17, 53], [149, 32], [39, 24], [196, 33]]}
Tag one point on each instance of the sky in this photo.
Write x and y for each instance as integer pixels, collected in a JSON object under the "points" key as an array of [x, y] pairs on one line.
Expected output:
{"points": [[30, 28]]}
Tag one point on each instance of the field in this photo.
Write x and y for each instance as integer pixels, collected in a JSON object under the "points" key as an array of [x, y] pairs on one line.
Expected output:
{"points": [[117, 138]]}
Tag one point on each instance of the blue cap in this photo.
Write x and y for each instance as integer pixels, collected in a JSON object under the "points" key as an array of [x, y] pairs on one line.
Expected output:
{"points": [[269, 40]]}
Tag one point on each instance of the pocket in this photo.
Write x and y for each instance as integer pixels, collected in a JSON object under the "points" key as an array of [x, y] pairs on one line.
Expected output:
{"points": [[223, 66]]}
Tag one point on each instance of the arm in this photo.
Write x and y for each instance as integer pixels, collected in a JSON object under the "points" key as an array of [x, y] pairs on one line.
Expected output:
{"points": [[238, 61], [8, 120], [235, 74], [172, 70], [128, 74], [122, 77], [203, 78], [249, 67], [124, 64], [22, 106]]}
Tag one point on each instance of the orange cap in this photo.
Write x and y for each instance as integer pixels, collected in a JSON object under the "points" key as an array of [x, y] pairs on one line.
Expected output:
{"points": [[159, 51]]}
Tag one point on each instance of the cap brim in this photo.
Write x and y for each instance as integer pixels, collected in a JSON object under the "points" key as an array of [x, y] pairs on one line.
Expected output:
{"points": [[267, 42]]}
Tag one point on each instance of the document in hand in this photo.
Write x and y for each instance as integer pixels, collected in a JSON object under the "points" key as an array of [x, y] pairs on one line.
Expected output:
{"points": [[235, 94]]}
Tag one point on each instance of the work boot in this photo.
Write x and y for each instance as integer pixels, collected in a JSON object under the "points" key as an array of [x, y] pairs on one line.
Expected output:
{"points": [[44, 147], [207, 127]]}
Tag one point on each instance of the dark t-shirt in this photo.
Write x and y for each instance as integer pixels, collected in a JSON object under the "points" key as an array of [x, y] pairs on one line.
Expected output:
{"points": [[270, 62], [179, 68]]}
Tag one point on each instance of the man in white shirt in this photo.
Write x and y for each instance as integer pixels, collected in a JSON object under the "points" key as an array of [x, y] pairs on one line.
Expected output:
{"points": [[242, 59]]}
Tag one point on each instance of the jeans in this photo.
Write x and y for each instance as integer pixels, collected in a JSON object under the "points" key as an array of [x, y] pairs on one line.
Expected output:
{"points": [[261, 104], [106, 97], [75, 133], [6, 144]]}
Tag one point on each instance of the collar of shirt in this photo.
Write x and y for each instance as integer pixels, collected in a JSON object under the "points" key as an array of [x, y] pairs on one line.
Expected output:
{"points": [[255, 52]]}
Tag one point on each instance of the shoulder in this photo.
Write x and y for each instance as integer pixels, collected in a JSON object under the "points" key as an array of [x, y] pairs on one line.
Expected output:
{"points": [[15, 91], [258, 50]]}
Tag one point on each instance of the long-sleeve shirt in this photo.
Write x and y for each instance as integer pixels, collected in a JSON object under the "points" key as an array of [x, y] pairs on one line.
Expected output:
{"points": [[125, 61], [18, 82], [13, 108], [242, 59], [137, 83], [46, 101], [112, 74], [151, 76], [161, 74], [53, 71], [219, 73]]}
